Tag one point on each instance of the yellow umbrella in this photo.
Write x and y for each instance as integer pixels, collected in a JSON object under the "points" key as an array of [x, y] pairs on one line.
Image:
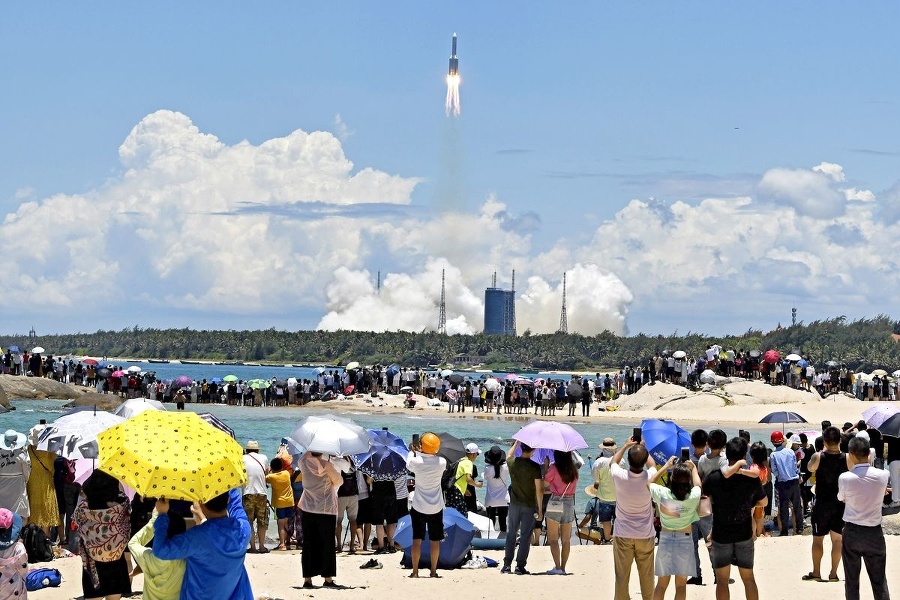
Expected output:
{"points": [[177, 456]]}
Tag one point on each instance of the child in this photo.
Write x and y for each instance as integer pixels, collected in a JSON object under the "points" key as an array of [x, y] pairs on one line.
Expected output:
{"points": [[282, 499]]}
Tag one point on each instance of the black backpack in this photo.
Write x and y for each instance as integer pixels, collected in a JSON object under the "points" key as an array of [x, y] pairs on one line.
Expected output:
{"points": [[448, 479], [36, 544]]}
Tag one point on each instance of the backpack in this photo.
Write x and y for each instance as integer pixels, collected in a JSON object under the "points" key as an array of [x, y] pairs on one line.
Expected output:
{"points": [[37, 546], [39, 579], [448, 479]]}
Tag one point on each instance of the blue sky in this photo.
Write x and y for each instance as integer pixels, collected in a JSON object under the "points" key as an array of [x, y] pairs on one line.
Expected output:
{"points": [[567, 116]]}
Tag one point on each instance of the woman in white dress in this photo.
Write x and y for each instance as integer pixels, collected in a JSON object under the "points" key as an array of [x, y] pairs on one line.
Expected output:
{"points": [[496, 483]]}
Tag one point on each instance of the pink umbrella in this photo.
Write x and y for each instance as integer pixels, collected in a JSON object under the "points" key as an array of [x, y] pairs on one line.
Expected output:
{"points": [[85, 466], [771, 356], [512, 377], [119, 373], [551, 435]]}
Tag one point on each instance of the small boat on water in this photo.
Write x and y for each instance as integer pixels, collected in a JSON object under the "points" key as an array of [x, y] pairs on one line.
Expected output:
{"points": [[270, 365], [158, 361], [191, 362]]}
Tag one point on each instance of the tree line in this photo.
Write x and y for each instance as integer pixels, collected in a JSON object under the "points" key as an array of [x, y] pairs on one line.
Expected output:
{"points": [[863, 343]]}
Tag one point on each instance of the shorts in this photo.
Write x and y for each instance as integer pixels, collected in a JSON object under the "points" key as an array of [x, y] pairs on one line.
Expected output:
{"points": [[383, 510], [827, 516], [675, 554], [364, 511], [434, 523], [568, 510], [284, 513], [402, 507], [257, 508], [738, 553], [349, 505]]}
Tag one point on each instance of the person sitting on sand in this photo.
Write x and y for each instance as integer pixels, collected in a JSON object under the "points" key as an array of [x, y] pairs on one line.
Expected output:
{"points": [[214, 551]]}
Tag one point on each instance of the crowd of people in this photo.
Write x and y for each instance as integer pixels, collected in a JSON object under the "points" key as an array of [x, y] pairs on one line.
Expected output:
{"points": [[720, 494]]}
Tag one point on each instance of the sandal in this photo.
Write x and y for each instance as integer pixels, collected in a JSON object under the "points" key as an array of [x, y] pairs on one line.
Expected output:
{"points": [[831, 579], [810, 577], [334, 586]]}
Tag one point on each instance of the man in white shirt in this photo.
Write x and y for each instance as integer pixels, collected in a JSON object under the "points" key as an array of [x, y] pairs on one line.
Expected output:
{"points": [[255, 498], [862, 490], [634, 535], [428, 501]]}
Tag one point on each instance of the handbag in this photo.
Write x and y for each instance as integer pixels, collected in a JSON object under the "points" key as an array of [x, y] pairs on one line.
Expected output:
{"points": [[704, 509], [556, 505]]}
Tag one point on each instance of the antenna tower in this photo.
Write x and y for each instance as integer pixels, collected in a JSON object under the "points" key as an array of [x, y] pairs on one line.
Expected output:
{"points": [[512, 305], [378, 285], [442, 315], [563, 320], [494, 280]]}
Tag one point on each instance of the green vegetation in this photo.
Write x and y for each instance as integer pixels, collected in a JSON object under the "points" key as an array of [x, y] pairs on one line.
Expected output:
{"points": [[866, 343]]}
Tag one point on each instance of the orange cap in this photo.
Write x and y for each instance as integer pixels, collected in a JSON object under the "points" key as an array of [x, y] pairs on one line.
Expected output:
{"points": [[431, 443]]}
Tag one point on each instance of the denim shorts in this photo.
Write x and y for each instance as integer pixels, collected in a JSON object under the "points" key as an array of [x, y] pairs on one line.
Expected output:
{"points": [[568, 512], [675, 554], [741, 553], [284, 513]]}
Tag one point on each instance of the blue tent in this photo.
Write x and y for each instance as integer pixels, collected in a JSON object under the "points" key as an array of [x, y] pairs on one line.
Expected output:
{"points": [[458, 534]]}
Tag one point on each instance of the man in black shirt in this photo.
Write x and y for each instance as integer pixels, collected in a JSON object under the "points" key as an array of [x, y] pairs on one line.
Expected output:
{"points": [[828, 511], [733, 501]]}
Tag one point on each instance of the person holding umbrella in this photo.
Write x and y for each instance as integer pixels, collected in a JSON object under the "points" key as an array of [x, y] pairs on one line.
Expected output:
{"points": [[427, 511], [319, 505]]}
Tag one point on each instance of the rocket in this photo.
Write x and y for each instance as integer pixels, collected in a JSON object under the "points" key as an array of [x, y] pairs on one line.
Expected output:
{"points": [[454, 62]]}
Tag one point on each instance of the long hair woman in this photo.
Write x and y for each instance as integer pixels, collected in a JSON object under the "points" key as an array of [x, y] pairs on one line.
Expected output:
{"points": [[677, 504], [496, 483], [562, 479]]}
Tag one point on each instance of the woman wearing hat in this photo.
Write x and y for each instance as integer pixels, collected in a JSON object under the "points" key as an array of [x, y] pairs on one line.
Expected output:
{"points": [[15, 468], [496, 480]]}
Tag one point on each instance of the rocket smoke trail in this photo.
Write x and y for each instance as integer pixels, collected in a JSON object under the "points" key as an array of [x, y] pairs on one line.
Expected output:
{"points": [[451, 105]]}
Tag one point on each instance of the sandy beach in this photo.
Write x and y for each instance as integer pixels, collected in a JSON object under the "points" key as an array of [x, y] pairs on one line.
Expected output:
{"points": [[780, 563], [740, 403]]}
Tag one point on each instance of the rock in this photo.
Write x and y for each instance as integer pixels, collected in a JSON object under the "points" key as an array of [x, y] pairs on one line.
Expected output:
{"points": [[108, 402], [4, 400], [38, 388]]}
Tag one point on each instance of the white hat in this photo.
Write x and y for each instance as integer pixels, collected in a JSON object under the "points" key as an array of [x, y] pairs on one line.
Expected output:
{"points": [[863, 434], [13, 440], [473, 449], [795, 439]]}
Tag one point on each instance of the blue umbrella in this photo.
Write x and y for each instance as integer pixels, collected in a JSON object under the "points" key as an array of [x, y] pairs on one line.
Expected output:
{"points": [[217, 380], [803, 363], [15, 349], [458, 534], [664, 439], [386, 459], [392, 370]]}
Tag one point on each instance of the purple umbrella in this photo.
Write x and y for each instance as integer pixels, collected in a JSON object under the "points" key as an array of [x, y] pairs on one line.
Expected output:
{"points": [[183, 381], [550, 435], [878, 414]]}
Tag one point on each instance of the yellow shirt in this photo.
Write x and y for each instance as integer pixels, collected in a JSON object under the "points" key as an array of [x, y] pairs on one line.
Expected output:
{"points": [[282, 494], [162, 578], [466, 467]]}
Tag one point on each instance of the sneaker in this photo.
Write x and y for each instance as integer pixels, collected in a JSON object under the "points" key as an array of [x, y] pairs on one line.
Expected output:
{"points": [[371, 564], [505, 569], [695, 581], [555, 571], [521, 571]]}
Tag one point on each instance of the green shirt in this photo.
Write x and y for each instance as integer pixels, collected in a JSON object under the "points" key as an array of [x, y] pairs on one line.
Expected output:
{"points": [[522, 473], [465, 467], [675, 514], [162, 578]]}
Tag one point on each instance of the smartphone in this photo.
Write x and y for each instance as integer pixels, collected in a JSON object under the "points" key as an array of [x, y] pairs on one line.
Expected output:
{"points": [[685, 454], [415, 440], [636, 434]]}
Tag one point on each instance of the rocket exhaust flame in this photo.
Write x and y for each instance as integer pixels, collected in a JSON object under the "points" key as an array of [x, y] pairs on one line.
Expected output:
{"points": [[451, 105]]}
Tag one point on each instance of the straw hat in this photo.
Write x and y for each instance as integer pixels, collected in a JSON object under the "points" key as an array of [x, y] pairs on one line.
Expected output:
{"points": [[252, 445], [591, 490]]}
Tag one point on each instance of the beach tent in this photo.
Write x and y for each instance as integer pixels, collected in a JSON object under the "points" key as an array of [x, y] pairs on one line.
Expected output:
{"points": [[458, 535]]}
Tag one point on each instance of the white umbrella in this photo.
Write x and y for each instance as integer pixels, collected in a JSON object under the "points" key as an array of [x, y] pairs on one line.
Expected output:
{"points": [[133, 369], [492, 385], [37, 350], [879, 373], [352, 365], [446, 372], [679, 354], [72, 435], [708, 376], [329, 434], [135, 406], [896, 373], [793, 357]]}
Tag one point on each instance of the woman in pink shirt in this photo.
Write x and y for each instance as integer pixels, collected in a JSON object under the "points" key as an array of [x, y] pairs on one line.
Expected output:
{"points": [[319, 505], [562, 479]]}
